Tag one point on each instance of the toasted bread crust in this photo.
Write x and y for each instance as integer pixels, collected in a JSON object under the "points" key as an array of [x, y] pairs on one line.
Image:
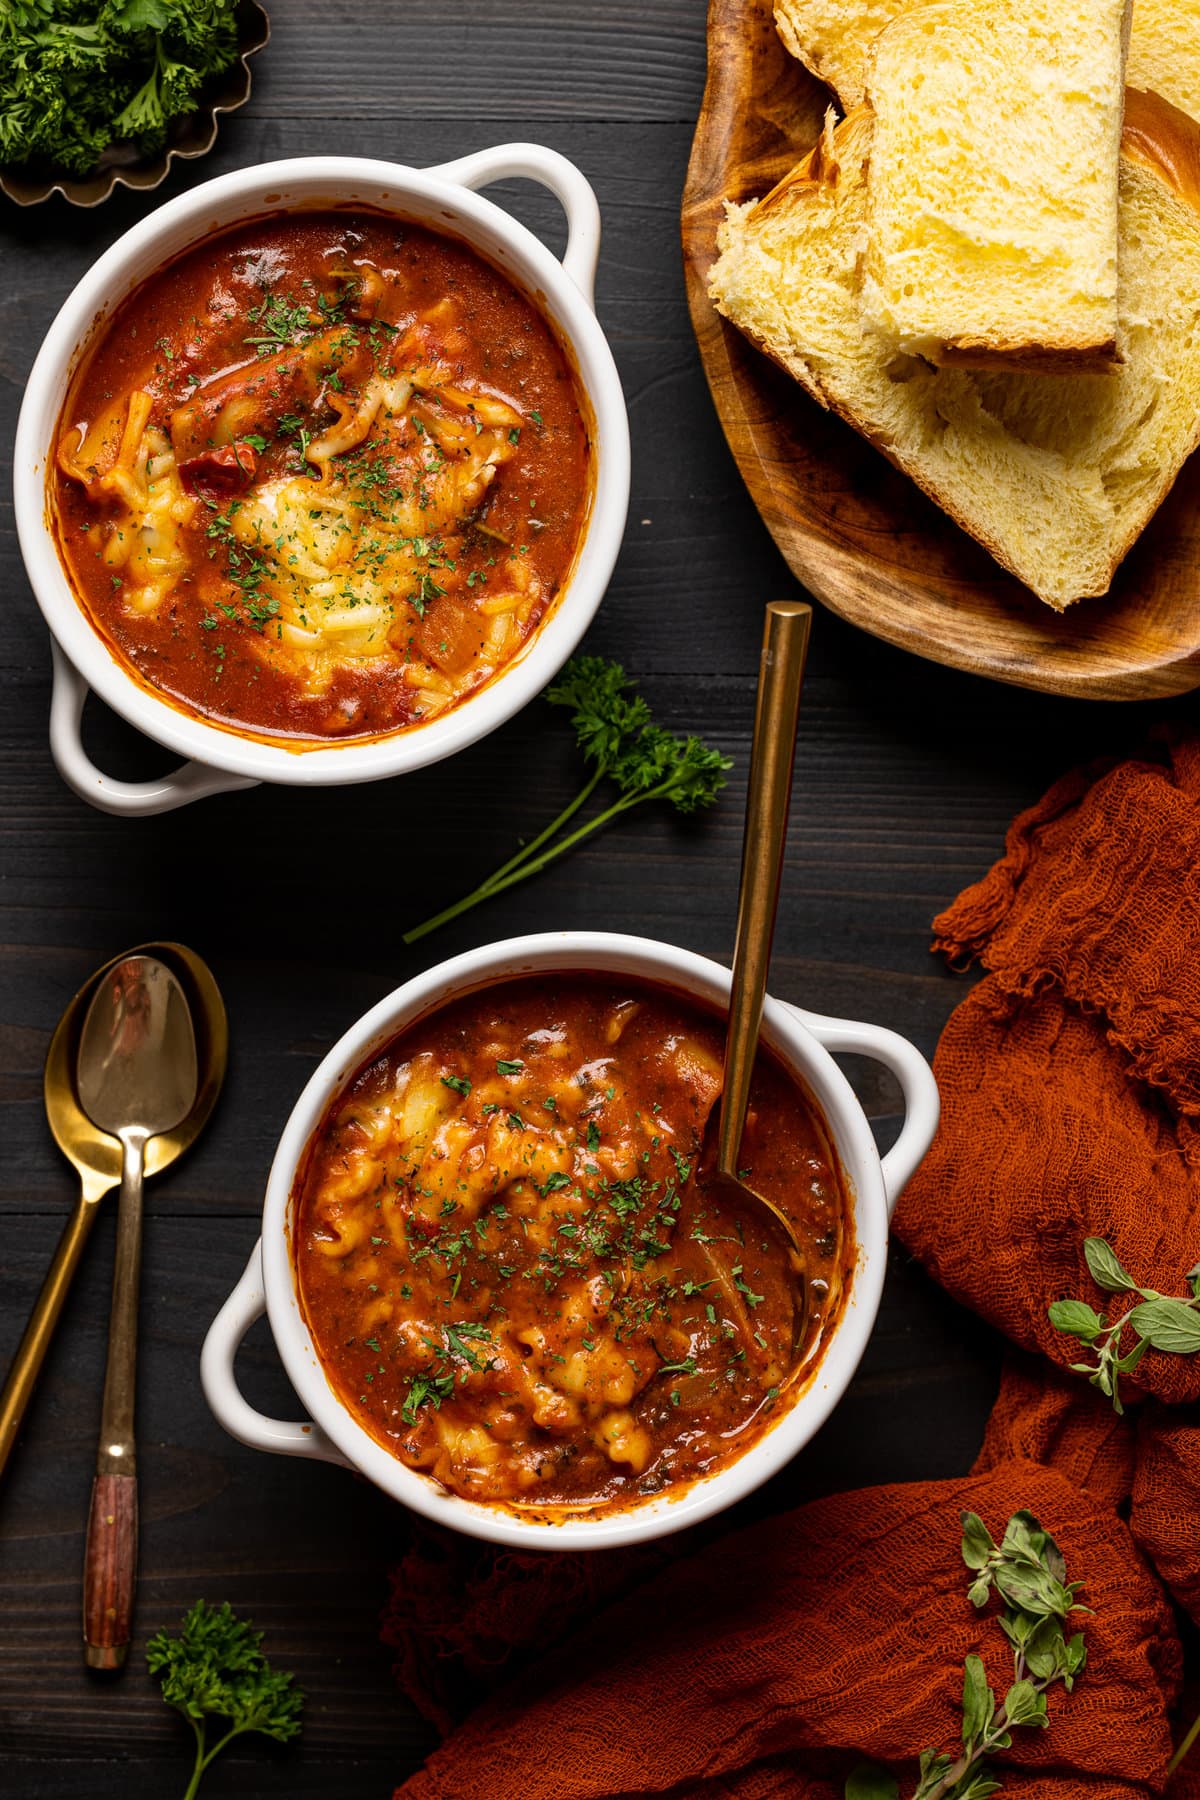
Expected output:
{"points": [[1030, 359], [1165, 140]]}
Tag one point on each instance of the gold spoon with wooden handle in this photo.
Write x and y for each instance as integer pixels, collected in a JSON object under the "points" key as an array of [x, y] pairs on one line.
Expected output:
{"points": [[769, 792], [96, 1157], [138, 1075]]}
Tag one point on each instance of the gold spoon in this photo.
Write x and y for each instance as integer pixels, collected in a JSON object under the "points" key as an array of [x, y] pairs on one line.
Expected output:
{"points": [[96, 1156], [138, 1075], [769, 792]]}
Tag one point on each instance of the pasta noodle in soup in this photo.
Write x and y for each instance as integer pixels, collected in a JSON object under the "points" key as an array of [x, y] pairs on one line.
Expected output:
{"points": [[510, 1273], [323, 477]]}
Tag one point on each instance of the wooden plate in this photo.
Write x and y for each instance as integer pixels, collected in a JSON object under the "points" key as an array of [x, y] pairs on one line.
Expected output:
{"points": [[855, 531]]}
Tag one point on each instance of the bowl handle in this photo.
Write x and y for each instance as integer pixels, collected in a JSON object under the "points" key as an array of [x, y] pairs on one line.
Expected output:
{"points": [[286, 1438], [917, 1084], [190, 781], [568, 184]]}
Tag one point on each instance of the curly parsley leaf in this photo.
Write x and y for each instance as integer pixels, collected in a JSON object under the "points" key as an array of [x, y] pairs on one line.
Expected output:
{"points": [[618, 737], [215, 1668], [78, 76]]}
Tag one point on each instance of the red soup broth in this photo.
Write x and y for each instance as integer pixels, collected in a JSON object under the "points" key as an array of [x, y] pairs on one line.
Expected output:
{"points": [[322, 477], [512, 1277]]}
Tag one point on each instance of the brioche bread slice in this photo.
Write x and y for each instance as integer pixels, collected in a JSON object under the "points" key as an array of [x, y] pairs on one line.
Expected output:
{"points": [[830, 37], [1055, 474], [992, 183], [1164, 51]]}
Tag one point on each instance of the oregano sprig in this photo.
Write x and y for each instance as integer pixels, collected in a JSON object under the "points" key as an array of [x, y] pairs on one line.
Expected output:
{"points": [[1161, 1322], [1027, 1573]]}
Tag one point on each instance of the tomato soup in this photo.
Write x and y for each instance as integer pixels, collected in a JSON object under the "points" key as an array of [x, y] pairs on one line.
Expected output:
{"points": [[322, 477], [512, 1275]]}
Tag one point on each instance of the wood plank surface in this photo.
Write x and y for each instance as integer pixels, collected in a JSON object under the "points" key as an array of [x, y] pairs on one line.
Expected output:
{"points": [[907, 777]]}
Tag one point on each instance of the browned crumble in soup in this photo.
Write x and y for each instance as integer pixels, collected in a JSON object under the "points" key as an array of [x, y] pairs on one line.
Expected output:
{"points": [[512, 1278], [322, 477]]}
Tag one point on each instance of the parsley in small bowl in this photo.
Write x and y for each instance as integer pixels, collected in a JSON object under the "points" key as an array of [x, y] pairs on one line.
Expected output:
{"points": [[96, 93]]}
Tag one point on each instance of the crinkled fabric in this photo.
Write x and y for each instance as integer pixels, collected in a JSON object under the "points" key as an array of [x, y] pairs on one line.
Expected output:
{"points": [[1070, 1080], [460, 1612], [1070, 1076], [768, 1664]]}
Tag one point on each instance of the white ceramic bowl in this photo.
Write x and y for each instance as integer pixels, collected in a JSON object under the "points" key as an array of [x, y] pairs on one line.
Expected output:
{"points": [[442, 198], [804, 1041]]}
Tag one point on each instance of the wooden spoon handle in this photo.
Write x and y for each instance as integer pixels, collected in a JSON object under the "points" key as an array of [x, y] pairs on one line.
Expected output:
{"points": [[110, 1570], [110, 1562], [27, 1362]]}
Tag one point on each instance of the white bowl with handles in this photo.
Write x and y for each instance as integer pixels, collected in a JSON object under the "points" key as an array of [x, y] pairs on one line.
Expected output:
{"points": [[442, 198], [806, 1043]]}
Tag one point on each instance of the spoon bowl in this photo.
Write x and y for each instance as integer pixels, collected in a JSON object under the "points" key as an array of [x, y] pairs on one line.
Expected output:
{"points": [[96, 1156], [137, 1069]]}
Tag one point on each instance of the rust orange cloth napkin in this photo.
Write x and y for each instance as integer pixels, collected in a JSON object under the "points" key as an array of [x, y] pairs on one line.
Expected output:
{"points": [[1070, 1080], [770, 1664]]}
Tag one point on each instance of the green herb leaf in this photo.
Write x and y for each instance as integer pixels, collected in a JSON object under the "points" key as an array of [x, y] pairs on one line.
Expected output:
{"points": [[1024, 1705], [977, 1545], [1162, 1321], [215, 1668], [1076, 1317], [1167, 1324], [77, 79], [1029, 1573], [1106, 1271], [621, 743], [979, 1703]]}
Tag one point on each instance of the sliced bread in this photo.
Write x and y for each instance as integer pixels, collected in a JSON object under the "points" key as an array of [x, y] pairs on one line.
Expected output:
{"points": [[1055, 474], [1164, 51], [830, 37], [992, 185]]}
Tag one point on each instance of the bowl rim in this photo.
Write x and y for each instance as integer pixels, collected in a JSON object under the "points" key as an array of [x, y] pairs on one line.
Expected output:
{"points": [[218, 205], [582, 952]]}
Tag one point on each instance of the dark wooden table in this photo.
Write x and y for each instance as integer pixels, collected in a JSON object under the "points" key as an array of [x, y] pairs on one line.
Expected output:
{"points": [[907, 776]]}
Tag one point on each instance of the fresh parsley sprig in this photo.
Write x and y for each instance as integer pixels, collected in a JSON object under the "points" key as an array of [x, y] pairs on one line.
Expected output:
{"points": [[1161, 1322], [621, 742], [77, 76], [1027, 1572], [215, 1667]]}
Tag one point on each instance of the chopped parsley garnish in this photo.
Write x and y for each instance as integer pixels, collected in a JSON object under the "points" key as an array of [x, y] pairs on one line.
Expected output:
{"points": [[425, 1390], [752, 1299]]}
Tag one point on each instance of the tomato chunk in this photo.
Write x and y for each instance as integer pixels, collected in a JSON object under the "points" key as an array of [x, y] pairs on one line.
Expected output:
{"points": [[216, 474]]}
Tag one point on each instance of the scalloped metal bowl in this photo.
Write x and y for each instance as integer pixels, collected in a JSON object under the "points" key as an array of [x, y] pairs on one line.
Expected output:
{"points": [[193, 135]]}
